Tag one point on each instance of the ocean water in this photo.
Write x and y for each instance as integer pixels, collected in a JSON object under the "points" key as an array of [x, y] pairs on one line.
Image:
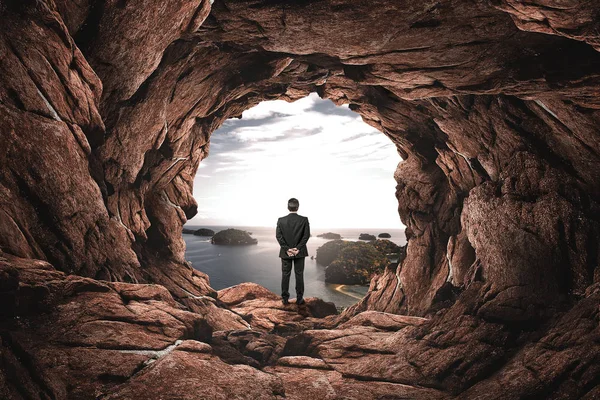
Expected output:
{"points": [[230, 265]]}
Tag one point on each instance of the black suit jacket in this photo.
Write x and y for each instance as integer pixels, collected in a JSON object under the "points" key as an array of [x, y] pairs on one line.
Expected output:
{"points": [[293, 230]]}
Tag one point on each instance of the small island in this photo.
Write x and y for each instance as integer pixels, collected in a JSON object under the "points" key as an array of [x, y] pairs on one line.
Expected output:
{"points": [[386, 247], [233, 237], [384, 235], [366, 236], [204, 232], [198, 232], [330, 235], [329, 251], [355, 263]]}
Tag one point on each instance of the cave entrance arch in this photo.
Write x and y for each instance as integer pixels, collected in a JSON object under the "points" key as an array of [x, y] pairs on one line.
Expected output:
{"points": [[339, 167]]}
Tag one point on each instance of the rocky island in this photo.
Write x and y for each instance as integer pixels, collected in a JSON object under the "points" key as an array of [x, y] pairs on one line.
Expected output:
{"points": [[204, 232], [355, 263], [198, 232], [235, 237], [330, 235], [384, 235], [106, 113], [329, 251], [366, 236]]}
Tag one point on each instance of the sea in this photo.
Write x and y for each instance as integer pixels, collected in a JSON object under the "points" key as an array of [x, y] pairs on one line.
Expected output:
{"points": [[231, 265]]}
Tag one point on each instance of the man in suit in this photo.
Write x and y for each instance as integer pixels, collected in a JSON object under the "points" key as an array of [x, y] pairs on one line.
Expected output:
{"points": [[293, 231]]}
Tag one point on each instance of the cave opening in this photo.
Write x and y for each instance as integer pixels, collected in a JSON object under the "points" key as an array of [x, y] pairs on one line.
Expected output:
{"points": [[341, 169]]}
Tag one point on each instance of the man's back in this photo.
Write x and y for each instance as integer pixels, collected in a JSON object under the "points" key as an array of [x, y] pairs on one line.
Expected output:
{"points": [[293, 230]]}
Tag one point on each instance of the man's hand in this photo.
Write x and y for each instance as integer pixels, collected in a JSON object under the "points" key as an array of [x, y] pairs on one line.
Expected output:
{"points": [[293, 252]]}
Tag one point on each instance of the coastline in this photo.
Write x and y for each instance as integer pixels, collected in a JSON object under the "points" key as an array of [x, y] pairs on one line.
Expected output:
{"points": [[345, 289]]}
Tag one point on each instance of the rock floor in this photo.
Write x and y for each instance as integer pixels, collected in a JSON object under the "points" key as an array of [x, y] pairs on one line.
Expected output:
{"points": [[66, 336]]}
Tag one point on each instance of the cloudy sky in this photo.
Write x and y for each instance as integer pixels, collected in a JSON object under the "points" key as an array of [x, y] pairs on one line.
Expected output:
{"points": [[339, 168]]}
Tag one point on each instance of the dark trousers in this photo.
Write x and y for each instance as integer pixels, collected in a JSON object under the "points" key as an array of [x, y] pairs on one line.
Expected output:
{"points": [[286, 272]]}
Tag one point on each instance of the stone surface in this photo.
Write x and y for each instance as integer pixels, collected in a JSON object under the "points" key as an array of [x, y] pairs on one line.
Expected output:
{"points": [[237, 294], [264, 310], [106, 111], [461, 353], [570, 18], [193, 375], [249, 347], [315, 383], [74, 337]]}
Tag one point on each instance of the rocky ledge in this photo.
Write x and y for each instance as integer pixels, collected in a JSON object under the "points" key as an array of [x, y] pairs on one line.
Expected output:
{"points": [[96, 339]]}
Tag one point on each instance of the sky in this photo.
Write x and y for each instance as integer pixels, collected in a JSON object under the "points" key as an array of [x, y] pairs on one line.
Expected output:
{"points": [[338, 167]]}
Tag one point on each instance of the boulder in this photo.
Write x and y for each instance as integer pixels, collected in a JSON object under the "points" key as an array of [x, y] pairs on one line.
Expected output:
{"points": [[245, 291]]}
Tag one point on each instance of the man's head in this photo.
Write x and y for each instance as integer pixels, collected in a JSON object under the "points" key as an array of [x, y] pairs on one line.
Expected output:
{"points": [[293, 204]]}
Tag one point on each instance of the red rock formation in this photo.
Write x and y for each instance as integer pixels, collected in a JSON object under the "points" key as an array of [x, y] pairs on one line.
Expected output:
{"points": [[106, 111], [264, 310]]}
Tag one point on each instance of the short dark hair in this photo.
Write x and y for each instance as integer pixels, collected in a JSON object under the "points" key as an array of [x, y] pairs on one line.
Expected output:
{"points": [[293, 204]]}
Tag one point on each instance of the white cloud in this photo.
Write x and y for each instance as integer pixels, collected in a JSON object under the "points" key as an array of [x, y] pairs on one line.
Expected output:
{"points": [[230, 168], [268, 108]]}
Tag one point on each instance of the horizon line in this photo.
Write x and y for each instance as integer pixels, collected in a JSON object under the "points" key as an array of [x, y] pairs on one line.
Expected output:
{"points": [[315, 227]]}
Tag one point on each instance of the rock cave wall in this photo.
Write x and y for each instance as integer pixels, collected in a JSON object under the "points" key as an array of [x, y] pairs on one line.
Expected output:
{"points": [[107, 107]]}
